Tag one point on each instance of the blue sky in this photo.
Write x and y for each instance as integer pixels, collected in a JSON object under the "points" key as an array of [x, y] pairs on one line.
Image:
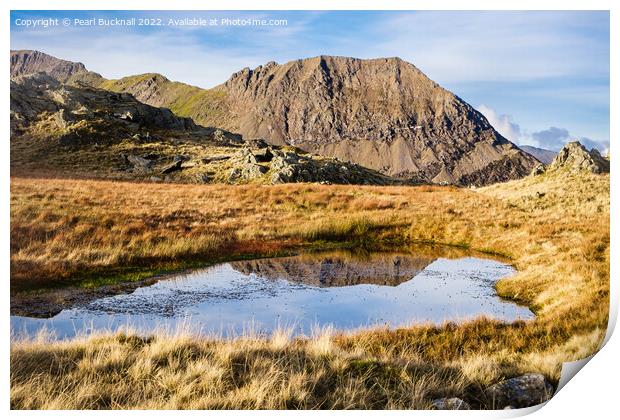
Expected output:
{"points": [[541, 78]]}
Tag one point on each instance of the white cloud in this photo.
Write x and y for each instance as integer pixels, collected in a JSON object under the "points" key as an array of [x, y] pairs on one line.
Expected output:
{"points": [[502, 123]]}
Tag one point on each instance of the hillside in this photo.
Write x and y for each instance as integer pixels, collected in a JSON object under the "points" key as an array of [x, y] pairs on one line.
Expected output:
{"points": [[383, 114], [63, 130], [554, 227]]}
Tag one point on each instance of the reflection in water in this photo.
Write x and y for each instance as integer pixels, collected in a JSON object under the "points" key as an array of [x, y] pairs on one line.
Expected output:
{"points": [[337, 269], [344, 290]]}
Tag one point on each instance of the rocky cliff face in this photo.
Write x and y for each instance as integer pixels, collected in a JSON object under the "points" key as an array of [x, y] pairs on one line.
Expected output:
{"points": [[24, 62], [384, 114]]}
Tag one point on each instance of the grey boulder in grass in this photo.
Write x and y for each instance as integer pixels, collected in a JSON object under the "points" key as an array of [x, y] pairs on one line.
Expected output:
{"points": [[523, 391]]}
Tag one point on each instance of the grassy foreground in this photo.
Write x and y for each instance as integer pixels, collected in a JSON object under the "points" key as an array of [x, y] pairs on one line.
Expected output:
{"points": [[555, 229]]}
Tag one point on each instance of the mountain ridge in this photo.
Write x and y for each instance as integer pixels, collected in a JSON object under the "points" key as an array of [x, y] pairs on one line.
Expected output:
{"points": [[24, 62], [382, 113], [543, 155]]}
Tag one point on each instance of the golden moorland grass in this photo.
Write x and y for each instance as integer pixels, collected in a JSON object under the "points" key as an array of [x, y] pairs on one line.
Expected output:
{"points": [[554, 228]]}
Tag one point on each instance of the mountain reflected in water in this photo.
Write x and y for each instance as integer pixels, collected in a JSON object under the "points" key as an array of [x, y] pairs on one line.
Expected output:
{"points": [[337, 269]]}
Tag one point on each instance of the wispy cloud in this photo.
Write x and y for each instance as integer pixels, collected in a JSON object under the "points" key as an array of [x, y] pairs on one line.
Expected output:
{"points": [[540, 69], [502, 123], [495, 46]]}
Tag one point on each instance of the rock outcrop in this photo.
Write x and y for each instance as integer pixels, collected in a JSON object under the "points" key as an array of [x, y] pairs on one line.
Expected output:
{"points": [[449, 404], [574, 157], [285, 165], [77, 111]]}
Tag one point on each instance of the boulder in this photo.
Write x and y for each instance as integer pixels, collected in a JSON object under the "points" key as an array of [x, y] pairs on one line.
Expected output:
{"points": [[210, 159], [449, 404], [138, 162], [283, 172], [538, 170], [234, 174], [174, 166], [245, 156], [523, 391], [127, 115], [180, 158], [252, 171], [257, 143], [218, 135], [224, 138]]}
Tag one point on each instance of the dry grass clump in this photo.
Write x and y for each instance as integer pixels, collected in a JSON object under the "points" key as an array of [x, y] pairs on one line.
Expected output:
{"points": [[554, 228], [179, 371]]}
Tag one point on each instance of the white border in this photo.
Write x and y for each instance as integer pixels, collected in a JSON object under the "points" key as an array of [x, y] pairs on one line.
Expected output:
{"points": [[592, 395]]}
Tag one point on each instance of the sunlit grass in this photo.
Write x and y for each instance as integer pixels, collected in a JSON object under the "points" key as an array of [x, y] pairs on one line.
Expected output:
{"points": [[554, 228]]}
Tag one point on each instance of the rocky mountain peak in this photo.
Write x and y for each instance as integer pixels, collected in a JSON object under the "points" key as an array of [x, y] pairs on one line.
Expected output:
{"points": [[574, 157], [25, 62], [382, 113]]}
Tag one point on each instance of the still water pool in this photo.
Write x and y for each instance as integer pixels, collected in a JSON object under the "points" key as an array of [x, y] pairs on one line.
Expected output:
{"points": [[343, 290]]}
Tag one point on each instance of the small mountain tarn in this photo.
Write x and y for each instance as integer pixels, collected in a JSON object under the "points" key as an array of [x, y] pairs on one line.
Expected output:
{"points": [[381, 114], [313, 290]]}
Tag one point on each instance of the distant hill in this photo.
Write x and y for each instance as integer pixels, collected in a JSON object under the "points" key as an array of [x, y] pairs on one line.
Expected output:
{"points": [[543, 155], [24, 62], [384, 114]]}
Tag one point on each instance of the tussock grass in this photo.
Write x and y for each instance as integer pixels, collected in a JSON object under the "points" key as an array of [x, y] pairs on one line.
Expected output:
{"points": [[181, 371], [554, 228]]}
